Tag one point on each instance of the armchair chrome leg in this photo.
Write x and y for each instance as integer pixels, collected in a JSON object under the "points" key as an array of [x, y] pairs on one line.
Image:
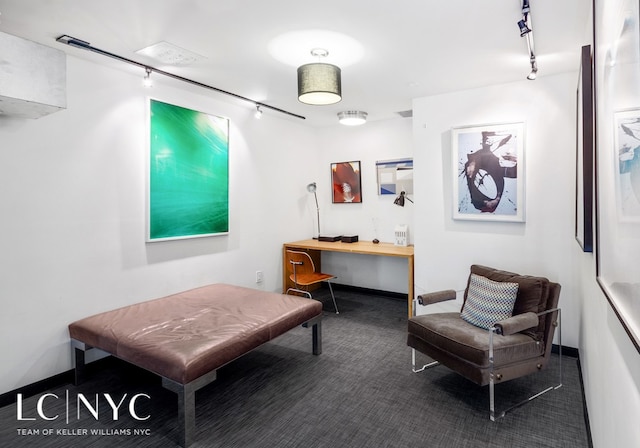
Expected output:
{"points": [[559, 347], [413, 363], [492, 401], [493, 415]]}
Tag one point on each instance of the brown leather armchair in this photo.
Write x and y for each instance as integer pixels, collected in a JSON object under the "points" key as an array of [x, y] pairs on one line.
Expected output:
{"points": [[510, 348]]}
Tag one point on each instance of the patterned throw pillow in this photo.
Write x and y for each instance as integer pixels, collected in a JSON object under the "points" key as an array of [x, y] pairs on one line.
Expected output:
{"points": [[488, 302]]}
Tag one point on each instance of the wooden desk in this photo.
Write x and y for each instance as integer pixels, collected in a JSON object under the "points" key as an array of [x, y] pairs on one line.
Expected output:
{"points": [[315, 247]]}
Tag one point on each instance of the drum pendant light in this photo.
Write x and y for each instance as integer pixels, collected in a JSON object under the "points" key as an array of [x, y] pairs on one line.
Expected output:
{"points": [[319, 83]]}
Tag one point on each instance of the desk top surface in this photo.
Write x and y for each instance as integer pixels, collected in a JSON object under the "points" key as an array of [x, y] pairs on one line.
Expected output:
{"points": [[360, 247]]}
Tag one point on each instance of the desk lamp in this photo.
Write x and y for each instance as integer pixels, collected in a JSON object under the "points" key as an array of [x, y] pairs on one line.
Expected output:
{"points": [[311, 188], [400, 199]]}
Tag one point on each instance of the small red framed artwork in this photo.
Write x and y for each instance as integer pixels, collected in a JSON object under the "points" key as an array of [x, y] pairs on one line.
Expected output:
{"points": [[346, 182]]}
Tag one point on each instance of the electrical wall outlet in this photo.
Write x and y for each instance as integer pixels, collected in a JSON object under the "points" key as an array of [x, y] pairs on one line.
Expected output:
{"points": [[259, 276]]}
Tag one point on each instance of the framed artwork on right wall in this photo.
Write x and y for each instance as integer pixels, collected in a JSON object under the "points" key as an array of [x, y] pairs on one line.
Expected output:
{"points": [[584, 153], [617, 163], [627, 172]]}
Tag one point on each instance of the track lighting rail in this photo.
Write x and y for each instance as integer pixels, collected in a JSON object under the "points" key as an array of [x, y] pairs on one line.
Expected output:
{"points": [[78, 43]]}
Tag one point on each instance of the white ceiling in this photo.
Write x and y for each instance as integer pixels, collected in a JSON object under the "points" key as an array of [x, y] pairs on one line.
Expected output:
{"points": [[410, 48]]}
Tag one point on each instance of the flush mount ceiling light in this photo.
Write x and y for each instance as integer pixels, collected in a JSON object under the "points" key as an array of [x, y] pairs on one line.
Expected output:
{"points": [[319, 83], [352, 117]]}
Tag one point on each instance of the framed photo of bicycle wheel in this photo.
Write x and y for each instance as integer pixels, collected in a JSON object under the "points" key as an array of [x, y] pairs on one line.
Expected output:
{"points": [[488, 172]]}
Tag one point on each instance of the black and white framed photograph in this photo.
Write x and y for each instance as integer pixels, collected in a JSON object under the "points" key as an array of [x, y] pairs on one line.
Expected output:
{"points": [[488, 172]]}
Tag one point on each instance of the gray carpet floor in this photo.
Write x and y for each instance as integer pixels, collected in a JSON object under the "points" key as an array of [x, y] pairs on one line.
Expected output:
{"points": [[359, 393]]}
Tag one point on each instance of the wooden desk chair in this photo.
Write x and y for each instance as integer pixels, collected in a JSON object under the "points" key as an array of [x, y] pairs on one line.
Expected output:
{"points": [[302, 272]]}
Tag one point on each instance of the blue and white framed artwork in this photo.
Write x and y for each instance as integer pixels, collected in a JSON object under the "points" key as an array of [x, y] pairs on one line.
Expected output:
{"points": [[395, 176]]}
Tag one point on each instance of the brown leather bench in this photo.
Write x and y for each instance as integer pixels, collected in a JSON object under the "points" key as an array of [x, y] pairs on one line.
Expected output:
{"points": [[186, 337]]}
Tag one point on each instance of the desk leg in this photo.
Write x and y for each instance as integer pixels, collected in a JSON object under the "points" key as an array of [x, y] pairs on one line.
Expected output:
{"points": [[285, 269], [410, 286]]}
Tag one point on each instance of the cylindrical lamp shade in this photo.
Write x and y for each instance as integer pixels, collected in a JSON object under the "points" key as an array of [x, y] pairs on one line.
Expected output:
{"points": [[319, 84]]}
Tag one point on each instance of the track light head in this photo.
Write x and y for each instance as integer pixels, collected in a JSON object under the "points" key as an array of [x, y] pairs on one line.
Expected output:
{"points": [[258, 113], [524, 29], [534, 69], [147, 81]]}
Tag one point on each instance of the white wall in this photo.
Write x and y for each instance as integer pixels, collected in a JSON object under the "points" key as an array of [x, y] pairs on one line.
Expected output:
{"points": [[73, 201], [610, 367], [610, 362], [445, 248], [72, 233], [544, 245], [72, 237], [376, 216]]}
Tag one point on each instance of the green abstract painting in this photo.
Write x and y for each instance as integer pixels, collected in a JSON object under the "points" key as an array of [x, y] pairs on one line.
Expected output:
{"points": [[188, 173]]}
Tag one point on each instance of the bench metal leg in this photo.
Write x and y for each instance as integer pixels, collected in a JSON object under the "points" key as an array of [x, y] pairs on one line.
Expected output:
{"points": [[187, 404], [316, 333], [79, 350], [186, 410]]}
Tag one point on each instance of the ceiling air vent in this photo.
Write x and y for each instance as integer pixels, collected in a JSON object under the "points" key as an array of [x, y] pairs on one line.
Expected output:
{"points": [[170, 54], [406, 113]]}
